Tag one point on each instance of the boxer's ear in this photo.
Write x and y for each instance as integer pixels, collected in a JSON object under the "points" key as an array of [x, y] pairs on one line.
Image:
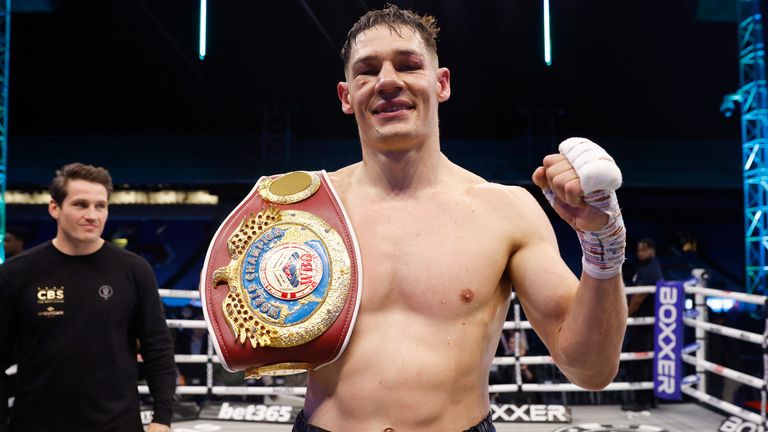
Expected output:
{"points": [[443, 84], [342, 88]]}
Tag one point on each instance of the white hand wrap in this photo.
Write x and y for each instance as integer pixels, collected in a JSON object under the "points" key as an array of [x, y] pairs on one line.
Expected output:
{"points": [[600, 177]]}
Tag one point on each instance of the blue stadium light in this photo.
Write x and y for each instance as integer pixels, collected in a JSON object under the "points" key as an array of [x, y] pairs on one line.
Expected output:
{"points": [[547, 40], [720, 305], [203, 20]]}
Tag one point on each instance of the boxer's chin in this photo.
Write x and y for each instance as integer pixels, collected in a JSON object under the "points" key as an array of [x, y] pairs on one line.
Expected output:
{"points": [[398, 137]]}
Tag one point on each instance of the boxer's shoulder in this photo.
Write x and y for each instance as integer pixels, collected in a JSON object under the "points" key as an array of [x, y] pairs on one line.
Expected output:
{"points": [[344, 172], [502, 196], [513, 210], [343, 178], [510, 210]]}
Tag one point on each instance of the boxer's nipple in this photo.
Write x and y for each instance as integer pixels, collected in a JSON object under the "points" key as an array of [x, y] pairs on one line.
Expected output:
{"points": [[467, 295]]}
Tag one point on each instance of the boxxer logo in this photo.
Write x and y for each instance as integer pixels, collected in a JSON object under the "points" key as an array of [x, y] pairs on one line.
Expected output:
{"points": [[735, 424], [666, 365], [530, 413]]}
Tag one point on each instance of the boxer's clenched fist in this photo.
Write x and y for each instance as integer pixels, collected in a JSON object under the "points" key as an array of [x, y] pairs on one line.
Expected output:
{"points": [[580, 184]]}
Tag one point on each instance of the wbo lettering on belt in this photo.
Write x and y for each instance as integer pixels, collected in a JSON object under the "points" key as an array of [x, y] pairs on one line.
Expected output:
{"points": [[281, 281]]}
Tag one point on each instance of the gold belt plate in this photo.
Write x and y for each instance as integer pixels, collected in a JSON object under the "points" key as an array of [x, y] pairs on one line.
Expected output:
{"points": [[288, 278]]}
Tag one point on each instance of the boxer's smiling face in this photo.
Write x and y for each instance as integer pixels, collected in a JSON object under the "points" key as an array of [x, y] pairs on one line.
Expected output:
{"points": [[393, 88]]}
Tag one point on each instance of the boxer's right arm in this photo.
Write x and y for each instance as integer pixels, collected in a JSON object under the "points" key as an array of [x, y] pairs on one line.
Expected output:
{"points": [[581, 321]]}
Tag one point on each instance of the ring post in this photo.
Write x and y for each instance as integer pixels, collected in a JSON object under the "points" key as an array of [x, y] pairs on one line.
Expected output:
{"points": [[209, 367], [701, 339], [518, 373]]}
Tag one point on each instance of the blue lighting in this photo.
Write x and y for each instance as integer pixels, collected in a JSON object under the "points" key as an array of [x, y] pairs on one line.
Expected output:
{"points": [[547, 40], [203, 20], [753, 99], [716, 304]]}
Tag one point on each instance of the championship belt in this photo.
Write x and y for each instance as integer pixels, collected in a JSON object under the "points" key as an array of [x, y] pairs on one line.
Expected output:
{"points": [[281, 281]]}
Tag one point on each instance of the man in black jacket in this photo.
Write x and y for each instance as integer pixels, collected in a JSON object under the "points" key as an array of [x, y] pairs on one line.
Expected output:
{"points": [[72, 310], [640, 338]]}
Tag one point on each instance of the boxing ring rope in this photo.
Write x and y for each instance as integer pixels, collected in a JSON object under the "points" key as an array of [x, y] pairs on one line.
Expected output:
{"points": [[693, 385], [725, 372], [543, 360], [695, 320], [701, 326], [233, 390], [190, 324], [725, 331], [518, 325]]}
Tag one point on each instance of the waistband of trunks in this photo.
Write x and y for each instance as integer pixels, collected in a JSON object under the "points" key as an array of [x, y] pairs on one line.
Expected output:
{"points": [[301, 425]]}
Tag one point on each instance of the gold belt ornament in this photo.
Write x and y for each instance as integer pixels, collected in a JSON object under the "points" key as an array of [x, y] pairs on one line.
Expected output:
{"points": [[289, 273]]}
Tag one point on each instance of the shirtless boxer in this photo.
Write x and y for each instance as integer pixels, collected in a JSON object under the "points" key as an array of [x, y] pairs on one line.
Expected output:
{"points": [[442, 249]]}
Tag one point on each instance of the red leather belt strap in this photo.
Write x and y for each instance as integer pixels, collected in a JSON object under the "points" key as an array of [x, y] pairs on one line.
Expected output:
{"points": [[281, 282]]}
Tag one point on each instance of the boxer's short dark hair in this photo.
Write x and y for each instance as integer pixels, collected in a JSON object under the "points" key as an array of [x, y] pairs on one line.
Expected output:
{"points": [[396, 19]]}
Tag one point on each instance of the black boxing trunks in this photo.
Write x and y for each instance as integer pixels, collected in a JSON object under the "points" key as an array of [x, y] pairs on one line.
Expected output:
{"points": [[301, 425], [281, 281]]}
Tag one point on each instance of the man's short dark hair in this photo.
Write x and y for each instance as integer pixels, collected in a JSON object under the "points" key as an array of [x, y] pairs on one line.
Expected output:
{"points": [[396, 19], [648, 242], [78, 171]]}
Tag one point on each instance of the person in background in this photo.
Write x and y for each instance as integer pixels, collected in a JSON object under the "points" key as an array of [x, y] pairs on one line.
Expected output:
{"points": [[640, 338], [73, 309], [14, 241]]}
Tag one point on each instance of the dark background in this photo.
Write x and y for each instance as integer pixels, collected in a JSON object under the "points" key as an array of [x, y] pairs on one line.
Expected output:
{"points": [[119, 84], [648, 69]]}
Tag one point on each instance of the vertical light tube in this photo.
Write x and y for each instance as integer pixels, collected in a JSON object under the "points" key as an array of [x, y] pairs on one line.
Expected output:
{"points": [[547, 40], [203, 21]]}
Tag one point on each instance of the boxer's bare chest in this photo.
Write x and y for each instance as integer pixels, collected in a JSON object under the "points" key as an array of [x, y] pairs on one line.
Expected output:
{"points": [[436, 254]]}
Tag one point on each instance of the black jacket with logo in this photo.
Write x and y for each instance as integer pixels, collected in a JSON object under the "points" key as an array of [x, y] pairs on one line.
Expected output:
{"points": [[72, 323]]}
